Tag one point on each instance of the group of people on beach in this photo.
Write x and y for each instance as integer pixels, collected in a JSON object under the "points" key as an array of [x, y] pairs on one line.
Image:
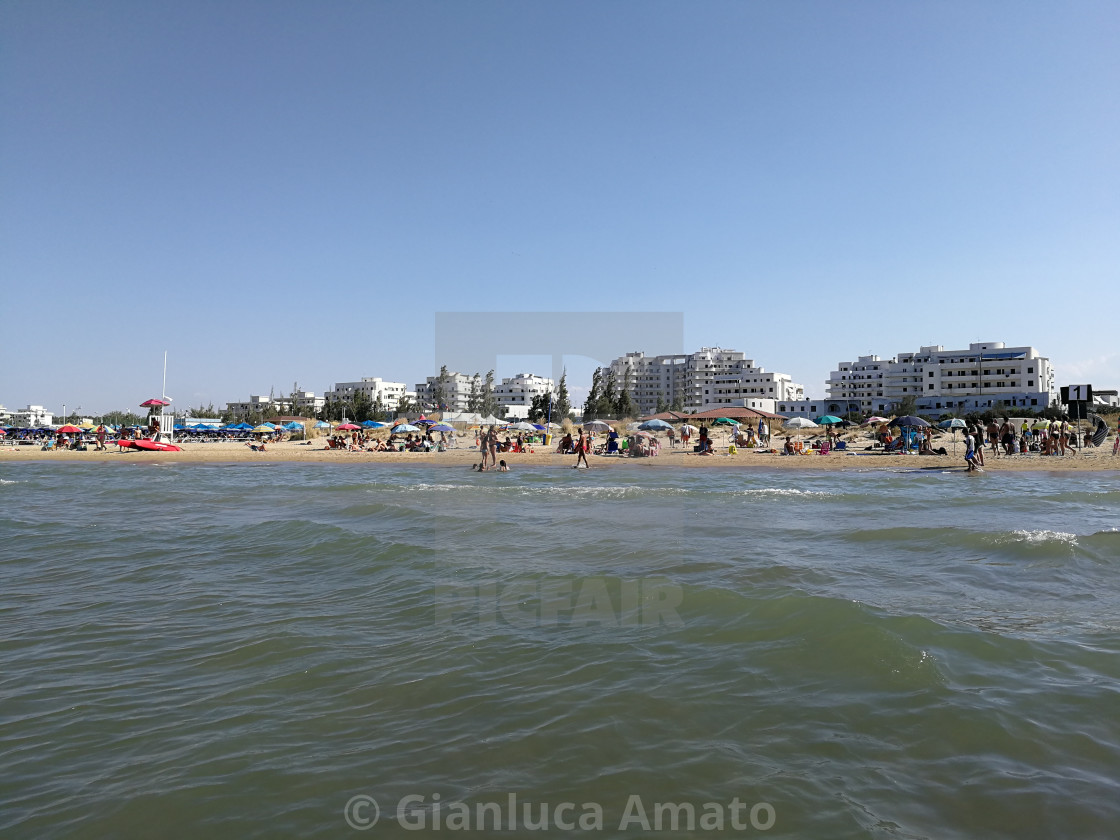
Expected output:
{"points": [[489, 446]]}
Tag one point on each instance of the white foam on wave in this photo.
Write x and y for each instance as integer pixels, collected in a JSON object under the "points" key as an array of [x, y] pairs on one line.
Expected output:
{"points": [[6, 481], [1043, 536], [782, 491]]}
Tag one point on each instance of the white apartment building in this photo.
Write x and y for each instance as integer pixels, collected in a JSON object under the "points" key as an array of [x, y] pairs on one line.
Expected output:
{"points": [[32, 417], [522, 389], [944, 381], [302, 403], [456, 392], [708, 378], [515, 393], [374, 388]]}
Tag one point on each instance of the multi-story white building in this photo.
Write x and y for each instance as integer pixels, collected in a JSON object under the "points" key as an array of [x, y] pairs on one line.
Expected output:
{"points": [[456, 392], [943, 381], [521, 390], [34, 416], [708, 378], [374, 388], [5, 416], [515, 393], [303, 403]]}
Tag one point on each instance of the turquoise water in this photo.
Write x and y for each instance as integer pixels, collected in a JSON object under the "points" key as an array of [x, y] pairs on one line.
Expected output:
{"points": [[237, 651]]}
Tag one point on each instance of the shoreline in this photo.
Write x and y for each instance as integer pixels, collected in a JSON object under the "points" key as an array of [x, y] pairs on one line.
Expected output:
{"points": [[1097, 460]]}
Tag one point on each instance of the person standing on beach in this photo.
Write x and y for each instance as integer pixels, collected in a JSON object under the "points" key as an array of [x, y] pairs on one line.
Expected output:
{"points": [[582, 445], [970, 446], [101, 437], [492, 446]]}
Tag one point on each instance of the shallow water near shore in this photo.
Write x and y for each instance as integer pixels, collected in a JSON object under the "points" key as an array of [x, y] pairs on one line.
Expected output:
{"points": [[237, 651]]}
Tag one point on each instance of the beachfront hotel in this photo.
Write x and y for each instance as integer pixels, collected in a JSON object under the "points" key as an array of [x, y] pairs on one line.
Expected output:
{"points": [[940, 381], [709, 378], [515, 394], [303, 403], [374, 388]]}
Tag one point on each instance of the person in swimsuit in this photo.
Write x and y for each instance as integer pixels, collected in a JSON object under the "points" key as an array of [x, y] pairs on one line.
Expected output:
{"points": [[582, 445]]}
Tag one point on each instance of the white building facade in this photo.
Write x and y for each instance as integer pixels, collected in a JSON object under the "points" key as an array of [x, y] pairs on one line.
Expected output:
{"points": [[302, 403], [943, 381], [374, 388], [520, 391], [34, 416], [456, 388], [709, 378]]}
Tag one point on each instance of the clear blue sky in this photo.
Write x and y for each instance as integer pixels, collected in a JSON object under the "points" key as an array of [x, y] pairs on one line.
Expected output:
{"points": [[289, 191]]}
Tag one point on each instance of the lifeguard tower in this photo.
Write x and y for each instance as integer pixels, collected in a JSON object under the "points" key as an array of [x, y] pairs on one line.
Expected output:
{"points": [[161, 425]]}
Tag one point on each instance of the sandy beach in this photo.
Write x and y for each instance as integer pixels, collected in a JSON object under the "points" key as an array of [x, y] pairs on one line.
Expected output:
{"points": [[314, 452]]}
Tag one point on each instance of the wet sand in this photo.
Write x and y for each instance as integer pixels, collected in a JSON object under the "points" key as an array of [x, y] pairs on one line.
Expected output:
{"points": [[1099, 459]]}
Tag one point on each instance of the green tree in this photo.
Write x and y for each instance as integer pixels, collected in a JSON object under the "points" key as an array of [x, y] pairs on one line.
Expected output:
{"points": [[405, 405], [591, 406], [538, 410], [907, 405], [490, 406], [474, 398], [361, 407], [624, 406], [661, 404], [440, 389], [678, 402], [609, 400], [562, 407]]}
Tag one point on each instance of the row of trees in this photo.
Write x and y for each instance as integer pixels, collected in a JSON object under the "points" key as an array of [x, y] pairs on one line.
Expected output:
{"points": [[606, 401]]}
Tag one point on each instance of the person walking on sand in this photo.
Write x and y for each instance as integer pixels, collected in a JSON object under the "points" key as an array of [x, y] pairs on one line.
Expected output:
{"points": [[582, 445]]}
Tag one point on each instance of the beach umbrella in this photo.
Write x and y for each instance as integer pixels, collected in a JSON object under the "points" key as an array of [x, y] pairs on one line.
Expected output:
{"points": [[155, 402], [522, 426], [799, 423], [441, 427], [350, 427], [403, 427], [911, 421], [1040, 425], [873, 420], [954, 424], [654, 425], [69, 429], [423, 421], [724, 421], [264, 429], [373, 424], [538, 427], [596, 426], [829, 420]]}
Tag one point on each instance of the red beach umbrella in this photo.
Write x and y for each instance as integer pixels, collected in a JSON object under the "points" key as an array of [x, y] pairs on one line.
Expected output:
{"points": [[153, 402], [347, 427], [68, 429]]}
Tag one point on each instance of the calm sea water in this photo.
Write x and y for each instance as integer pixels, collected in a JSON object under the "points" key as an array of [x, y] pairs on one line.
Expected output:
{"points": [[239, 651]]}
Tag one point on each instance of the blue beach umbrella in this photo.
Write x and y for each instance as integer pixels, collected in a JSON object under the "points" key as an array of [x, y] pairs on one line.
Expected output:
{"points": [[405, 427], [654, 425], [441, 427]]}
